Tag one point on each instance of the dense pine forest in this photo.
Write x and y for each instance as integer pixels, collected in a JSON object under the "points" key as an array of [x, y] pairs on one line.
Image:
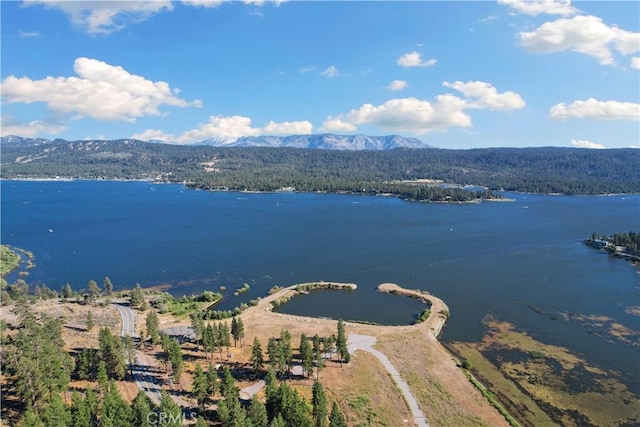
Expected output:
{"points": [[567, 171]]}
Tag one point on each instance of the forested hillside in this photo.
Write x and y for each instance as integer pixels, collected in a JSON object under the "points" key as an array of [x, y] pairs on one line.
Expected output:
{"points": [[537, 170]]}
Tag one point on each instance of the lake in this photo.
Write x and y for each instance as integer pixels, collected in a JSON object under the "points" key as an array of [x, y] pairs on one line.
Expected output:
{"points": [[519, 261]]}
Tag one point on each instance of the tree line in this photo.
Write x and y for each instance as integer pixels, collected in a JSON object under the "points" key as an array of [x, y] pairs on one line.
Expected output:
{"points": [[40, 369], [535, 170]]}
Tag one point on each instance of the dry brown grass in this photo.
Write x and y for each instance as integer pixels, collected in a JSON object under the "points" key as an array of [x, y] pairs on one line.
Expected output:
{"points": [[363, 388], [444, 394]]}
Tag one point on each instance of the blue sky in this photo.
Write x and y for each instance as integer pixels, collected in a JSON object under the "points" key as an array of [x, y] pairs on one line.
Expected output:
{"points": [[453, 74]]}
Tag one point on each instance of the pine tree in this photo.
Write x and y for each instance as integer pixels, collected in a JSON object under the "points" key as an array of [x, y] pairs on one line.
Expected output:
{"points": [[152, 324], [130, 352], [228, 387], [93, 291], [287, 349], [199, 386], [234, 331], [56, 413], [212, 380], [114, 410], [31, 419], [271, 393], [108, 287], [276, 356], [66, 292], [209, 340], [141, 407], [341, 343], [257, 413], [80, 411], [197, 323], [89, 322], [257, 359], [336, 419], [240, 331], [319, 402], [137, 297], [111, 352], [306, 354], [277, 422], [172, 412]]}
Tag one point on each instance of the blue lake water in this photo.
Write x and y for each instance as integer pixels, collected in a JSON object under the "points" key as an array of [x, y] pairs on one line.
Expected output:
{"points": [[489, 258]]}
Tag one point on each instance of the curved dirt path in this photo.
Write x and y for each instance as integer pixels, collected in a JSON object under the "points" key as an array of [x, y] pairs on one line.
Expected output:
{"points": [[366, 343]]}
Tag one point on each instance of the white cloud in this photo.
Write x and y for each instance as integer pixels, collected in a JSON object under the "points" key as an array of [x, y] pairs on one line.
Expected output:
{"points": [[102, 91], [414, 59], [537, 7], [594, 109], [331, 71], [203, 3], [635, 62], [397, 85], [405, 115], [583, 34], [421, 116], [484, 95], [238, 126], [105, 17], [150, 134], [27, 34], [304, 70], [9, 126], [582, 143], [337, 125]]}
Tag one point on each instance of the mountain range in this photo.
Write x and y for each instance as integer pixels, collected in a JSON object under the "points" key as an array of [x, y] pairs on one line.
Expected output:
{"points": [[326, 141]]}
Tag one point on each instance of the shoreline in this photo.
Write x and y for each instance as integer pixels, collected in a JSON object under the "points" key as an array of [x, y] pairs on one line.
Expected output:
{"points": [[433, 325]]}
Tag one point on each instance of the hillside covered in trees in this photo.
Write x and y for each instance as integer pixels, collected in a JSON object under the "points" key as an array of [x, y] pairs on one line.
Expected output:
{"points": [[568, 171]]}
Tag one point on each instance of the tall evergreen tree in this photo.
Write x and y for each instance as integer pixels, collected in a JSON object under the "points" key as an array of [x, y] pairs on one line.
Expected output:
{"points": [[93, 291], [336, 419], [66, 292], [137, 298], [108, 287], [141, 407], [341, 343], [287, 348], [209, 340], [130, 352], [114, 412], [306, 356], [89, 322], [111, 352], [199, 386], [172, 414], [36, 359], [56, 413], [319, 402], [257, 413], [153, 325], [212, 380], [256, 359]]}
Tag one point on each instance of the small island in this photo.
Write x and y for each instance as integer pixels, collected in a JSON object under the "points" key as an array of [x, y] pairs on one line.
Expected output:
{"points": [[621, 245]]}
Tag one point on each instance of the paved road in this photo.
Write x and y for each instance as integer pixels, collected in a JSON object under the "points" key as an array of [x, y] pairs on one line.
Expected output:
{"points": [[146, 372], [365, 343], [142, 372]]}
